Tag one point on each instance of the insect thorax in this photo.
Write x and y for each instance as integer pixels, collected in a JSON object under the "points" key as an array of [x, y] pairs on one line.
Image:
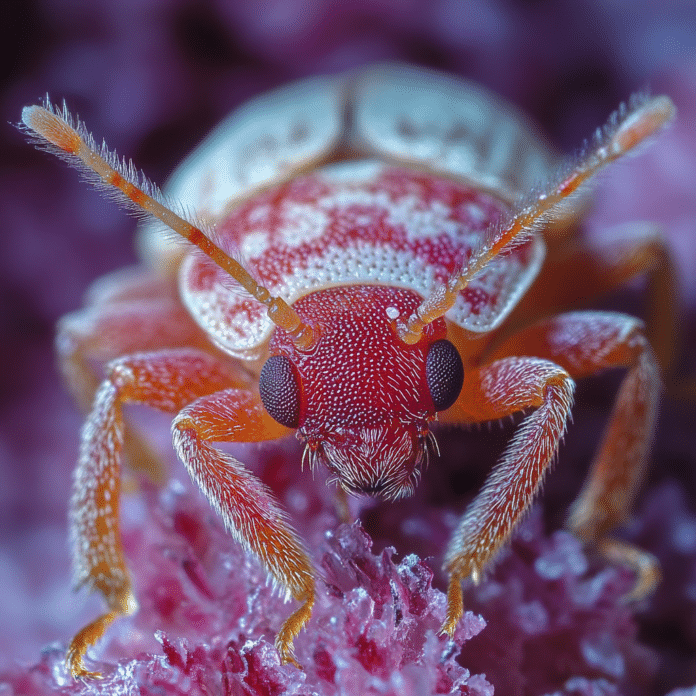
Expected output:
{"points": [[357, 222]]}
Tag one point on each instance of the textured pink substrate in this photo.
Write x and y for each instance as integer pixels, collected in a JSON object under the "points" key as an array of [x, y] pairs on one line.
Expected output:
{"points": [[152, 78], [549, 620]]}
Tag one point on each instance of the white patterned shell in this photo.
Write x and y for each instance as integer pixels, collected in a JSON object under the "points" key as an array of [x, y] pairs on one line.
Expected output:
{"points": [[448, 125], [393, 114], [392, 111]]}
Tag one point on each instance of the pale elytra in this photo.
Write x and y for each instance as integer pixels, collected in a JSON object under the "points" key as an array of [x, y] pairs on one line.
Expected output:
{"points": [[375, 252]]}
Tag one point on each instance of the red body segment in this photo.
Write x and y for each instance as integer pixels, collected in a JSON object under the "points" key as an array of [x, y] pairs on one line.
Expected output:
{"points": [[359, 373]]}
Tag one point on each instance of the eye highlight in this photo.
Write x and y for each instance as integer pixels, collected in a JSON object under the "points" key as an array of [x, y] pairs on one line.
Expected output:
{"points": [[444, 373], [279, 386]]}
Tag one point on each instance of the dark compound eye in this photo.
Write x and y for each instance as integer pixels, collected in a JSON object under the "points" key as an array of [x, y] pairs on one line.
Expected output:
{"points": [[444, 374], [279, 385]]}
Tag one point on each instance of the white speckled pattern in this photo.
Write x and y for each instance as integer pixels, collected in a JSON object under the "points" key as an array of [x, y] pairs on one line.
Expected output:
{"points": [[351, 223]]}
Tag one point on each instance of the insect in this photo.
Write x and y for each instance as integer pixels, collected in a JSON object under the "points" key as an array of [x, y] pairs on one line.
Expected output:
{"points": [[371, 253]]}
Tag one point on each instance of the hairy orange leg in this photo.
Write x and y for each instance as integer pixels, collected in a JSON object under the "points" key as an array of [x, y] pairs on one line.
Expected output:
{"points": [[489, 393], [104, 332], [585, 343], [116, 327], [599, 267], [241, 499], [167, 381]]}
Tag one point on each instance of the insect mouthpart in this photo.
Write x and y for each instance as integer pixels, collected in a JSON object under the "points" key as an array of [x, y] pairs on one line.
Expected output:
{"points": [[378, 461]]}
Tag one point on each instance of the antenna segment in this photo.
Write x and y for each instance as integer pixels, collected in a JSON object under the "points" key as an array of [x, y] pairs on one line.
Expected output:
{"points": [[55, 132], [626, 128]]}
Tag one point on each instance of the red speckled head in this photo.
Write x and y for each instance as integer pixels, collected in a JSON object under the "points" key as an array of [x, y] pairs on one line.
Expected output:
{"points": [[364, 400]]}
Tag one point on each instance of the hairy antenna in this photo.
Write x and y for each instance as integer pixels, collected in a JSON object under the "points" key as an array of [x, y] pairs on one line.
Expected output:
{"points": [[626, 128], [56, 131]]}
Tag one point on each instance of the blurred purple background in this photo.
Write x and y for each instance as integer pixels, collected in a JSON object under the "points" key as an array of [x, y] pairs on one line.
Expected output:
{"points": [[153, 77]]}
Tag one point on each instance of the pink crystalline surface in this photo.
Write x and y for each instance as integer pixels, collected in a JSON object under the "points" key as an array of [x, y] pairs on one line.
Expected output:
{"points": [[549, 615], [213, 613]]}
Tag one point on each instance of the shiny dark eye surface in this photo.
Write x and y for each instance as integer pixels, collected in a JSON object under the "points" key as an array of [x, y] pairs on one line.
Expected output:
{"points": [[279, 386], [444, 373]]}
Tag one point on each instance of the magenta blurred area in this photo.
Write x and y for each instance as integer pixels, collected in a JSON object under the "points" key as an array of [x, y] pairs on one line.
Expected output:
{"points": [[152, 78]]}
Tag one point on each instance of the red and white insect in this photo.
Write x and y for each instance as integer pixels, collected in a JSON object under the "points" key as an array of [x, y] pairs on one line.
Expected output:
{"points": [[372, 252]]}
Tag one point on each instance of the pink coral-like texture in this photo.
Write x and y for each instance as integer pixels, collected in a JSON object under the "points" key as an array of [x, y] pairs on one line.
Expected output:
{"points": [[549, 619], [213, 613]]}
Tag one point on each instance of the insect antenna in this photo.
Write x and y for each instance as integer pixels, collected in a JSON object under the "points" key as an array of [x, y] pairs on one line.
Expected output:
{"points": [[626, 128], [55, 130]]}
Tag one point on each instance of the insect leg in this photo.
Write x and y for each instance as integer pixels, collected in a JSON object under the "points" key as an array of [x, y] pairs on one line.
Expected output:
{"points": [[114, 327], [493, 392], [104, 332], [599, 267], [246, 506], [167, 381], [584, 343]]}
